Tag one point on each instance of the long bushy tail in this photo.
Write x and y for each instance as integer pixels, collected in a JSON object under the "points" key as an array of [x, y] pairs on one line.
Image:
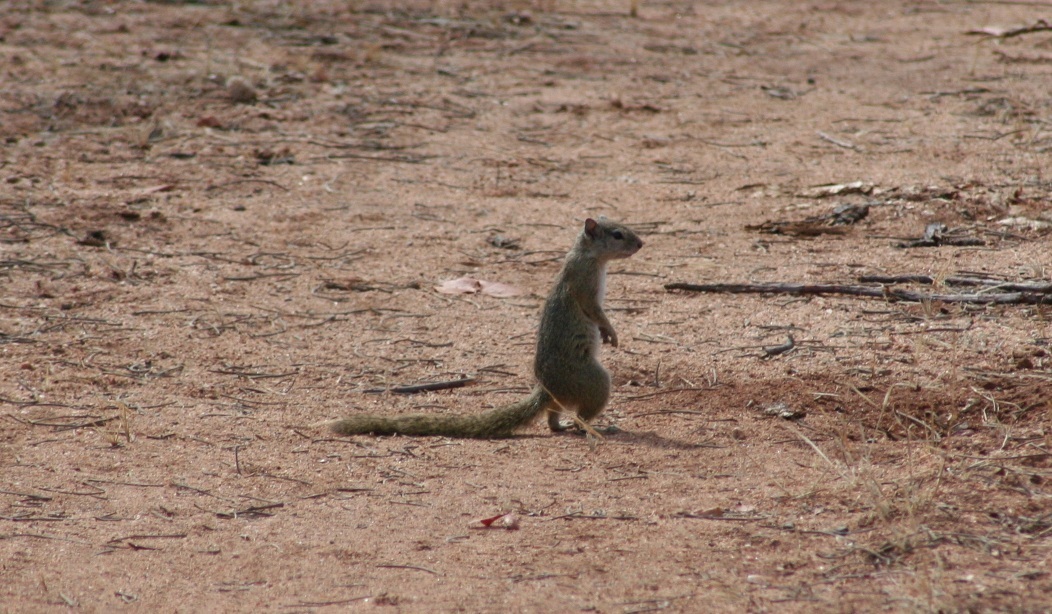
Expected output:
{"points": [[493, 424]]}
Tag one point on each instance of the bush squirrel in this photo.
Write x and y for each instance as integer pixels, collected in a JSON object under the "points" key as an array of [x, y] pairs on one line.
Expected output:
{"points": [[568, 372]]}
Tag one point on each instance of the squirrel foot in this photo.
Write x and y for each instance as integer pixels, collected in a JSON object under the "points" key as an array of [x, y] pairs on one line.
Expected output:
{"points": [[575, 429]]}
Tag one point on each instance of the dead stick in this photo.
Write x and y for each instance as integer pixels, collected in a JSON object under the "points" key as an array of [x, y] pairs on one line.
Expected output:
{"points": [[147, 536], [898, 279], [402, 159], [1040, 26], [958, 281], [457, 383], [414, 567], [780, 349], [870, 291], [714, 517]]}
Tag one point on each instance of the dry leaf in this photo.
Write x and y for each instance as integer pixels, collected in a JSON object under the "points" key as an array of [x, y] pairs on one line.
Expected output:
{"points": [[1025, 222], [470, 285], [504, 521], [500, 290], [838, 189], [462, 285]]}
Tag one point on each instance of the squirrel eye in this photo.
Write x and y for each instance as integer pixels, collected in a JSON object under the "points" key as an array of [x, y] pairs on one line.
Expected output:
{"points": [[618, 235]]}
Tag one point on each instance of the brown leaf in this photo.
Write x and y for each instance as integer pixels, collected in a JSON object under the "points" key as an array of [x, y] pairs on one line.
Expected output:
{"points": [[499, 290], [461, 285], [470, 285]]}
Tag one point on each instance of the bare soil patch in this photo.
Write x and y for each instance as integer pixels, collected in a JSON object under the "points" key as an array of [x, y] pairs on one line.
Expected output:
{"points": [[222, 223]]}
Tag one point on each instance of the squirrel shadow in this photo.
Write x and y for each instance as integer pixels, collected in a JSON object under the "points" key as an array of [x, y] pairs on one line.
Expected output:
{"points": [[647, 438]]}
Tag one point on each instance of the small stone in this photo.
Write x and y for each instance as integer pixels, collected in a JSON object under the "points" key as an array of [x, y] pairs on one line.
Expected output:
{"points": [[240, 91]]}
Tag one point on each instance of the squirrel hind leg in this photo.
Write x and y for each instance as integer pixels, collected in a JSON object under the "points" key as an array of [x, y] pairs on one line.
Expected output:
{"points": [[555, 420], [590, 411], [560, 418], [586, 395]]}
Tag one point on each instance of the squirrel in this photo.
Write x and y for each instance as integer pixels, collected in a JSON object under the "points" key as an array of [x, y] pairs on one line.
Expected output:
{"points": [[569, 376]]}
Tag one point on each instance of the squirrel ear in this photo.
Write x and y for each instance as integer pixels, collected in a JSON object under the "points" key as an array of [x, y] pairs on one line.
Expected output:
{"points": [[591, 228]]}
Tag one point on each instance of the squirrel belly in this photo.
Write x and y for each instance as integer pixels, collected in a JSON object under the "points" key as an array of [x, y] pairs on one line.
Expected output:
{"points": [[496, 423]]}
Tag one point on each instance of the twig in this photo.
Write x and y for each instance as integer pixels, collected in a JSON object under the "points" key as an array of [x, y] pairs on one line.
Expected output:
{"points": [[237, 181], [688, 412], [98, 492], [254, 510], [30, 404], [322, 604], [937, 234], [1040, 26], [260, 276], [958, 281], [584, 516], [42, 536], [835, 141], [251, 375], [26, 495], [139, 484], [919, 422], [403, 159], [29, 518], [282, 477], [116, 540], [780, 349], [430, 571], [817, 450], [704, 516], [430, 387], [1009, 298]]}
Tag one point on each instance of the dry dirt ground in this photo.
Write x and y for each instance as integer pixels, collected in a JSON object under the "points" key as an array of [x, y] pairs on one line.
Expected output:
{"points": [[195, 270]]}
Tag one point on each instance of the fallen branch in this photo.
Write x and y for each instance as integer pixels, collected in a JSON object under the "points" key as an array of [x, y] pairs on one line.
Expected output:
{"points": [[826, 223], [430, 387], [937, 234], [1040, 26], [1037, 286], [883, 292], [406, 159], [251, 511], [413, 567], [780, 349]]}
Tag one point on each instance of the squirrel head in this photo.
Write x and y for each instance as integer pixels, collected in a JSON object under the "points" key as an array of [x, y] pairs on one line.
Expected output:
{"points": [[608, 240]]}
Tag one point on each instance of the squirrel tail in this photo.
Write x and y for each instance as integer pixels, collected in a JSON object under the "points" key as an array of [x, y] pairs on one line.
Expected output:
{"points": [[493, 424]]}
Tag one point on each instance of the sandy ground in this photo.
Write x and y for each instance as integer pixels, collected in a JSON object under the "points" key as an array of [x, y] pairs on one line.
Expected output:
{"points": [[223, 223]]}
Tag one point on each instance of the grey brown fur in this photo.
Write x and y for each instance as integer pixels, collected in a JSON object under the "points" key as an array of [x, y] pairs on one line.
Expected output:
{"points": [[573, 326]]}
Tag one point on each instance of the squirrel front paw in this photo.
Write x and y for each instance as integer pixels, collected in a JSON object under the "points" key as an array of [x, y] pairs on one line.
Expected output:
{"points": [[609, 336]]}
